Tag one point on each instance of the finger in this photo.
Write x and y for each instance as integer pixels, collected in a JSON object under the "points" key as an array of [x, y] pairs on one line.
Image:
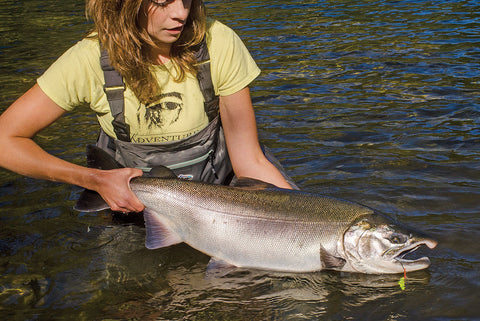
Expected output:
{"points": [[130, 203], [135, 172], [137, 205]]}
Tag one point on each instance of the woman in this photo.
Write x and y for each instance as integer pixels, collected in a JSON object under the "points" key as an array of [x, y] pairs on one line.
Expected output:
{"points": [[152, 44]]}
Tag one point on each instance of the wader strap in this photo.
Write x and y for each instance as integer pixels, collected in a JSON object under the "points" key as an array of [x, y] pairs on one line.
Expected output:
{"points": [[114, 88], [204, 77]]}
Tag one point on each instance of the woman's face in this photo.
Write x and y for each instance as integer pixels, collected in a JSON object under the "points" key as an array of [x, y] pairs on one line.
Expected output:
{"points": [[164, 19]]}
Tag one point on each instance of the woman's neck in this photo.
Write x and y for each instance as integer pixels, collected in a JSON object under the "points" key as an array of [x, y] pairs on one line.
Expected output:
{"points": [[160, 54]]}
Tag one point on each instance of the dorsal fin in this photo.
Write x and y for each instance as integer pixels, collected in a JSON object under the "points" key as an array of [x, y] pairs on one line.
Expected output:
{"points": [[161, 172]]}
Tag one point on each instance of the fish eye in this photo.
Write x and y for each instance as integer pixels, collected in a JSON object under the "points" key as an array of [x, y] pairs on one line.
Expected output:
{"points": [[397, 238]]}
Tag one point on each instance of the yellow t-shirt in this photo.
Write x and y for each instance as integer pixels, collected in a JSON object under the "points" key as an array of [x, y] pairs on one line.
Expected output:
{"points": [[77, 78]]}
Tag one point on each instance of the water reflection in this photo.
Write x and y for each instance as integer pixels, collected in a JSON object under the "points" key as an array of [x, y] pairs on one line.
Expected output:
{"points": [[259, 295]]}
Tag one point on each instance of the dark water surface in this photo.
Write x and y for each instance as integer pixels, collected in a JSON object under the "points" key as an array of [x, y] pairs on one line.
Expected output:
{"points": [[372, 101]]}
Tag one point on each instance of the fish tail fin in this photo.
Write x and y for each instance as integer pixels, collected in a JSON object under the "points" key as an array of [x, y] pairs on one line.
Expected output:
{"points": [[100, 159], [91, 201]]}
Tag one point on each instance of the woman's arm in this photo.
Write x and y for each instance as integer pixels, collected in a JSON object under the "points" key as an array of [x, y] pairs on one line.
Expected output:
{"points": [[35, 111], [248, 160]]}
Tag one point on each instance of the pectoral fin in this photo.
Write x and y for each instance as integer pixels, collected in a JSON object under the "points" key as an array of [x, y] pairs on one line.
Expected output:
{"points": [[157, 234], [329, 261]]}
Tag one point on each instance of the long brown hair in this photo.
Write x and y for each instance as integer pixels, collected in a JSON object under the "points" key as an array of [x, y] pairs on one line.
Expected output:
{"points": [[118, 30]]}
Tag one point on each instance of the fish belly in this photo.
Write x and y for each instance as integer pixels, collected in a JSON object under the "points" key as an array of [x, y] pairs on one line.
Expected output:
{"points": [[255, 242]]}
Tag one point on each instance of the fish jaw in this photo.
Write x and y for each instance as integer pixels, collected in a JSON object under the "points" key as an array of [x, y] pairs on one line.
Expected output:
{"points": [[378, 245], [409, 265]]}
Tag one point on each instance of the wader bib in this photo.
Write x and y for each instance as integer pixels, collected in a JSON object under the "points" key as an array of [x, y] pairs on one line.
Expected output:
{"points": [[200, 157]]}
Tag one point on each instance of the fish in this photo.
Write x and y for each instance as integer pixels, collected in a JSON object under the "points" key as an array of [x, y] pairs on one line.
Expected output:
{"points": [[256, 225]]}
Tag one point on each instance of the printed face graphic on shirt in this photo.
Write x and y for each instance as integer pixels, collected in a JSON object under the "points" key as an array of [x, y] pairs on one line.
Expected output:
{"points": [[164, 120], [164, 112]]}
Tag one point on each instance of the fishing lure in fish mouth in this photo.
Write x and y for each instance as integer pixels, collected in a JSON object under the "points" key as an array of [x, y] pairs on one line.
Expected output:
{"points": [[401, 282]]}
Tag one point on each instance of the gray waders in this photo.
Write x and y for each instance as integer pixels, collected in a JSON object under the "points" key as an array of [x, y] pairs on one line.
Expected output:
{"points": [[200, 157]]}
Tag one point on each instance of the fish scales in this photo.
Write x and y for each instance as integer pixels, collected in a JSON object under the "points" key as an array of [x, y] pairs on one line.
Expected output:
{"points": [[259, 203], [258, 226]]}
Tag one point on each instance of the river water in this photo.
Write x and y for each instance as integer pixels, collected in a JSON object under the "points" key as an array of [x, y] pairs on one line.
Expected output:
{"points": [[376, 102]]}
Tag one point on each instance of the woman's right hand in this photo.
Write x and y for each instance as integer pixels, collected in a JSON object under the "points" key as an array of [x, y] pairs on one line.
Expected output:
{"points": [[113, 186]]}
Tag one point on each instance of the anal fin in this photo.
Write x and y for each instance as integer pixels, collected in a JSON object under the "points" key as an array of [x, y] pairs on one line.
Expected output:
{"points": [[217, 268]]}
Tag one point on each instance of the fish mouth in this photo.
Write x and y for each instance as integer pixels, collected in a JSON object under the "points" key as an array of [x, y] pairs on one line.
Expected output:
{"points": [[412, 264]]}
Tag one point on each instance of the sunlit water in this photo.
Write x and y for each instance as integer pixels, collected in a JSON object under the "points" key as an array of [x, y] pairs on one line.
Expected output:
{"points": [[372, 101]]}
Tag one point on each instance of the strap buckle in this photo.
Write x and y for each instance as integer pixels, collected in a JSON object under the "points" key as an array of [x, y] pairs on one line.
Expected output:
{"points": [[110, 89]]}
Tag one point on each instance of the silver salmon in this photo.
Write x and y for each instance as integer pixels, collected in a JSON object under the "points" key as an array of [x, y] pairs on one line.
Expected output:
{"points": [[256, 225]]}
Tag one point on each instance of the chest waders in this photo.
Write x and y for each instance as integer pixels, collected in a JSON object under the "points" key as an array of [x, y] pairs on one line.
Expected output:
{"points": [[200, 157]]}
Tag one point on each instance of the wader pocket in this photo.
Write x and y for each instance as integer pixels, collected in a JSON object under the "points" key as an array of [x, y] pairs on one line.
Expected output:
{"points": [[188, 169]]}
